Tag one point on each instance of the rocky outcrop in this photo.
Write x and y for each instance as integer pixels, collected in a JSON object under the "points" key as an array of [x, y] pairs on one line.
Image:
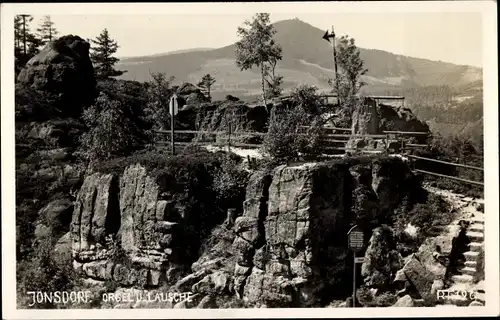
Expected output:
{"points": [[63, 73], [289, 246], [374, 118], [365, 119], [399, 119], [136, 228], [241, 117], [382, 260]]}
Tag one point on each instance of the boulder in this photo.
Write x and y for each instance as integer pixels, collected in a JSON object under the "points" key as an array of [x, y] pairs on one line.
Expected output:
{"points": [[217, 116], [382, 260], [62, 248], [420, 278], [55, 218], [365, 119], [401, 119], [62, 70], [405, 302], [208, 302]]}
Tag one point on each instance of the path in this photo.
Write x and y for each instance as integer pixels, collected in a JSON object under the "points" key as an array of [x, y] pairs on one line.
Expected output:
{"points": [[468, 282]]}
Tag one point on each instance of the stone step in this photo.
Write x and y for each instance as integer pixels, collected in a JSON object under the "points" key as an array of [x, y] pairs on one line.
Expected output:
{"points": [[471, 263], [479, 219], [471, 255], [463, 278], [480, 296], [480, 286], [456, 300], [475, 235], [476, 227], [468, 270], [476, 246]]}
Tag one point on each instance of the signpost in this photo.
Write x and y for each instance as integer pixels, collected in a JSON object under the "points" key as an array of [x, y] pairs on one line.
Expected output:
{"points": [[327, 37], [355, 237], [173, 109]]}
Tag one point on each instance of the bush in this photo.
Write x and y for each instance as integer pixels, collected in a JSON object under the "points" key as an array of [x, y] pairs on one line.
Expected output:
{"points": [[287, 137], [230, 183], [427, 215], [112, 130], [308, 98], [42, 272], [385, 299]]}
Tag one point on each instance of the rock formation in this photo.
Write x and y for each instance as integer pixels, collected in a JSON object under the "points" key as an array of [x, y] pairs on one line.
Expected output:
{"points": [[374, 118], [286, 249], [62, 72], [136, 228], [289, 245], [365, 119]]}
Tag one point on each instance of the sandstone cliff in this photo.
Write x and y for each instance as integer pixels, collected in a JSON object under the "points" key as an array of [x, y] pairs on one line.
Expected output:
{"points": [[287, 248]]}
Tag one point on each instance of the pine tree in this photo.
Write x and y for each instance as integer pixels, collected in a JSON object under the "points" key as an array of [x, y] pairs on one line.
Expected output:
{"points": [[206, 83], [26, 44], [47, 32], [102, 58], [257, 47]]}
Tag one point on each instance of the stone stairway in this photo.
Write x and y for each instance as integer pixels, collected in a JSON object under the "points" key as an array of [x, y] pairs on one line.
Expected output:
{"points": [[467, 291]]}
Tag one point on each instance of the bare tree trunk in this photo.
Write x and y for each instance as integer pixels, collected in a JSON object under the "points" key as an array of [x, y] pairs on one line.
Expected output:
{"points": [[263, 87], [24, 35]]}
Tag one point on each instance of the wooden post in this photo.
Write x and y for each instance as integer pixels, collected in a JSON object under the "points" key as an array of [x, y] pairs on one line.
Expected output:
{"points": [[229, 135], [354, 280], [172, 133], [387, 142]]}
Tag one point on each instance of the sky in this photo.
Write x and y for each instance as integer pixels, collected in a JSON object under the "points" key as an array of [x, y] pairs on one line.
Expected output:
{"points": [[454, 37]]}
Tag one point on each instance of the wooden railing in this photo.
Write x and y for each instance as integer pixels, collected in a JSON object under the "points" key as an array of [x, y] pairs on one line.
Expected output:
{"points": [[333, 143]]}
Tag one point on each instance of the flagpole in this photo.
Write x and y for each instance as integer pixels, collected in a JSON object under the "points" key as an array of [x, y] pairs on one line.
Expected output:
{"points": [[335, 65]]}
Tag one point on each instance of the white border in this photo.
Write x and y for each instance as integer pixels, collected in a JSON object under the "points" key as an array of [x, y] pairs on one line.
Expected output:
{"points": [[490, 72]]}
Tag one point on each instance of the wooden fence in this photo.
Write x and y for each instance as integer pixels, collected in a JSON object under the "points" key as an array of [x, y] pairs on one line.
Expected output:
{"points": [[335, 141]]}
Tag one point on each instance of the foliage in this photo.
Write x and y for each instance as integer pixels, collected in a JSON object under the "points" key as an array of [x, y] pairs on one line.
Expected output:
{"points": [[102, 56], [230, 183], [206, 83], [26, 44], [44, 272], [47, 32], [428, 215], [308, 98], [456, 149], [287, 138], [351, 68], [385, 299], [258, 48], [159, 92], [111, 130], [273, 80]]}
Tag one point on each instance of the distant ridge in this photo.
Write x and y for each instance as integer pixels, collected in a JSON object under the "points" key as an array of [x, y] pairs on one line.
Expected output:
{"points": [[307, 59]]}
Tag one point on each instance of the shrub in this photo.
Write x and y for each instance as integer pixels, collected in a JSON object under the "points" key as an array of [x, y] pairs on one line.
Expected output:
{"points": [[42, 272], [112, 131], [230, 183], [307, 96], [385, 299], [426, 215], [287, 138]]}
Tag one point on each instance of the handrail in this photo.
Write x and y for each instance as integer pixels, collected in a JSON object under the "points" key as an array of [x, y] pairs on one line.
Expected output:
{"points": [[445, 162], [449, 177], [408, 132]]}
